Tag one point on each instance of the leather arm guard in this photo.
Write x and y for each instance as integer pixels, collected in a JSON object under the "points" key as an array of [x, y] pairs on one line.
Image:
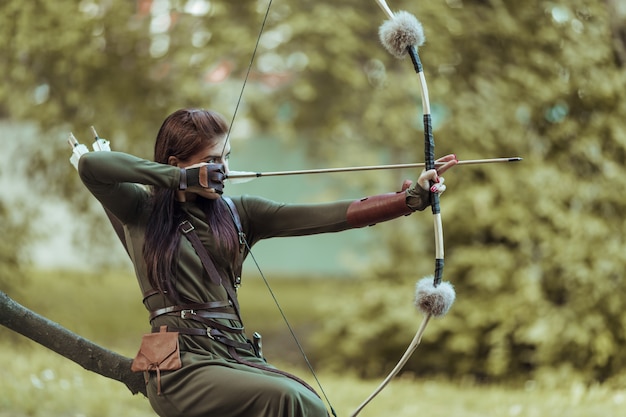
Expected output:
{"points": [[380, 208]]}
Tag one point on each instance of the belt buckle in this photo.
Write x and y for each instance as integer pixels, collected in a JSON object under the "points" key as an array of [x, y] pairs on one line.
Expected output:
{"points": [[183, 313], [208, 333]]}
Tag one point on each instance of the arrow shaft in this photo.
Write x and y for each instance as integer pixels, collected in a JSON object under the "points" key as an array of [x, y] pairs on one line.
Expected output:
{"points": [[237, 175]]}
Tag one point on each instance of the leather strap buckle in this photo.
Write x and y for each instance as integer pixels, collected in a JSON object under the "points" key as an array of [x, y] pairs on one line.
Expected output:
{"points": [[186, 226]]}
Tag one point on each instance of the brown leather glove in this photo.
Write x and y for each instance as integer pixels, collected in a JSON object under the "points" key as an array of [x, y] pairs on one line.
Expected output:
{"points": [[205, 176]]}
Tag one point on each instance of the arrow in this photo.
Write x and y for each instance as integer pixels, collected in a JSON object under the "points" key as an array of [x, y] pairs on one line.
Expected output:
{"points": [[239, 177]]}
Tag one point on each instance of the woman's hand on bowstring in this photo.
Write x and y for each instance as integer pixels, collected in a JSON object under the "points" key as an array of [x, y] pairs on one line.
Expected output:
{"points": [[203, 179], [418, 195], [443, 164]]}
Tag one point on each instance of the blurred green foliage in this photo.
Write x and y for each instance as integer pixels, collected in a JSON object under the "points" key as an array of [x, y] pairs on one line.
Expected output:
{"points": [[15, 231], [535, 250]]}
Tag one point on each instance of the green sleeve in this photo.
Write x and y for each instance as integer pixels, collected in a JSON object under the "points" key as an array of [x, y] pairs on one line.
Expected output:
{"points": [[114, 178], [264, 218]]}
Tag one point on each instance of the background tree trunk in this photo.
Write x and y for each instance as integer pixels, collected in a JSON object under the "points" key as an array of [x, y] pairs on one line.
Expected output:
{"points": [[87, 354]]}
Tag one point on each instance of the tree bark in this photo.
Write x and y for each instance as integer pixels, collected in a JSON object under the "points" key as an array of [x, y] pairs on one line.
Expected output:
{"points": [[87, 354]]}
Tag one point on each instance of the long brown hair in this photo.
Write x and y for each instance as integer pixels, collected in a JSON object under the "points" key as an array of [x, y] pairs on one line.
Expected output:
{"points": [[183, 134]]}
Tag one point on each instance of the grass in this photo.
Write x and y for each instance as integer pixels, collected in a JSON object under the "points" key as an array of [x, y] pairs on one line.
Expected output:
{"points": [[36, 382]]}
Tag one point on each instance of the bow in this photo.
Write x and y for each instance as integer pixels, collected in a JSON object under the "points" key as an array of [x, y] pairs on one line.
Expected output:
{"points": [[401, 35]]}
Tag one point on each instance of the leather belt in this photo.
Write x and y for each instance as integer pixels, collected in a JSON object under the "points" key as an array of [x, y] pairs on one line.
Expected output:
{"points": [[206, 319], [193, 306], [214, 334]]}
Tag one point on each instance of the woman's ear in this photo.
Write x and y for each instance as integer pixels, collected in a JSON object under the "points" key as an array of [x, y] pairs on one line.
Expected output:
{"points": [[172, 160]]}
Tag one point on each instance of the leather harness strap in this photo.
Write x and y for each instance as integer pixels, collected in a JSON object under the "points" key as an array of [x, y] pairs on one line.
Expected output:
{"points": [[195, 306], [205, 312], [149, 293], [188, 230]]}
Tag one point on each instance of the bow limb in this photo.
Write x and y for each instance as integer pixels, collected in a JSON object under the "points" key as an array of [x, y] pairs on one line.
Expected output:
{"points": [[405, 357]]}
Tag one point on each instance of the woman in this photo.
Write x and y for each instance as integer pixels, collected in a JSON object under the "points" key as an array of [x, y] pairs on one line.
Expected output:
{"points": [[222, 373]]}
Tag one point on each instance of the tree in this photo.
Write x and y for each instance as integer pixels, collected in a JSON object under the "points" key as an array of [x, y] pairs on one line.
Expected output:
{"points": [[87, 354]]}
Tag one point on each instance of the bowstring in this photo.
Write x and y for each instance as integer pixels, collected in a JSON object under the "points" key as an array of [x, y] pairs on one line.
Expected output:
{"points": [[245, 80], [291, 331], [245, 241]]}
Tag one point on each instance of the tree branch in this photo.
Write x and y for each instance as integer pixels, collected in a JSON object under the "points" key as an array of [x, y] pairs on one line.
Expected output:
{"points": [[87, 354]]}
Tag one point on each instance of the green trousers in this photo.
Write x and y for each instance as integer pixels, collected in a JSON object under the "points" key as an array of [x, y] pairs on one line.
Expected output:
{"points": [[216, 387]]}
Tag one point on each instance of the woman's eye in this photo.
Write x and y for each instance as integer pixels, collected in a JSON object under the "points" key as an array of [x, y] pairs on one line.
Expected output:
{"points": [[218, 160]]}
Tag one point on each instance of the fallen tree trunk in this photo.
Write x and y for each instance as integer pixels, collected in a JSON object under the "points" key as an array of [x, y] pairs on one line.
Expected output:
{"points": [[55, 337]]}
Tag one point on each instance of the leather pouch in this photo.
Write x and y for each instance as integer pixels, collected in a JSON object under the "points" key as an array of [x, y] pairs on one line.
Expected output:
{"points": [[158, 352]]}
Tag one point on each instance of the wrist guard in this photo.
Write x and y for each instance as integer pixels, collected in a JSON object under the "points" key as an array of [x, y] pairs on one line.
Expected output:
{"points": [[379, 208], [205, 176]]}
